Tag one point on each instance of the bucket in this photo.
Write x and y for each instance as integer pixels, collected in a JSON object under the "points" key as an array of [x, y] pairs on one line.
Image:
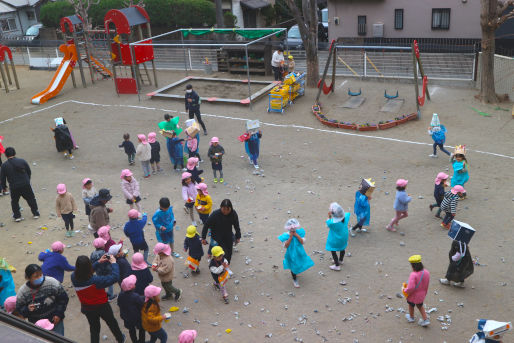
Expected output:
{"points": [[208, 68]]}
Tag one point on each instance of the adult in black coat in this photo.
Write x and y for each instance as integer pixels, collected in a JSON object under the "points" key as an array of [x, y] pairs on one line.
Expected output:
{"points": [[221, 222], [461, 264], [63, 141], [192, 101]]}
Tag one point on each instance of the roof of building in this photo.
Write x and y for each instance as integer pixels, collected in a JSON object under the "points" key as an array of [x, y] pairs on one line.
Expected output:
{"points": [[20, 3], [255, 4], [4, 8]]}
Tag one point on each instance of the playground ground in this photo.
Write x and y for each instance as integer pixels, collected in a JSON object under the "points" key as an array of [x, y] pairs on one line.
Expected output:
{"points": [[304, 168]]}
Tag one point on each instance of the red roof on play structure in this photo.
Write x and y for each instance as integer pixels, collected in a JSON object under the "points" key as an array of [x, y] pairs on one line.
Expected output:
{"points": [[125, 18], [4, 50]]}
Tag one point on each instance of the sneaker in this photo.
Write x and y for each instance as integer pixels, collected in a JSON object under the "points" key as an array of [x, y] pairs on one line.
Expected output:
{"points": [[36, 216], [6, 193], [72, 157], [221, 180], [334, 267], [352, 233], [296, 284], [215, 180], [225, 299], [166, 297], [432, 155], [184, 169], [390, 228], [230, 272], [205, 133], [68, 234], [17, 220], [444, 281], [364, 230], [251, 162], [72, 233], [409, 318], [200, 161], [65, 154], [458, 284], [256, 166], [178, 295], [431, 207], [423, 323]]}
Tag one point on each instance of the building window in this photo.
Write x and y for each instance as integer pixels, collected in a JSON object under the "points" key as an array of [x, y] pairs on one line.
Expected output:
{"points": [[440, 18], [31, 15], [398, 19], [8, 24], [361, 25]]}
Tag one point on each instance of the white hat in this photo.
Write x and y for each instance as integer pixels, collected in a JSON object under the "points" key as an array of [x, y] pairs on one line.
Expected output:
{"points": [[59, 121], [115, 249]]}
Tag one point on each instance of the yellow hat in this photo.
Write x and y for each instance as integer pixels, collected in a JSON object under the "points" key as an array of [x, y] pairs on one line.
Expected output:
{"points": [[415, 259], [217, 251], [191, 231], [290, 57]]}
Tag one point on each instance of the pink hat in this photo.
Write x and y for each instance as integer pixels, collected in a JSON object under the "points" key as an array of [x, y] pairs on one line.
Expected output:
{"points": [[57, 246], [191, 162], [186, 175], [84, 181], [138, 262], [99, 243], [103, 232], [142, 138], [152, 291], [10, 304], [161, 247], [402, 182], [61, 188], [133, 214], [45, 324], [129, 283], [440, 177], [187, 336], [151, 137], [203, 187], [125, 172], [458, 189], [214, 140]]}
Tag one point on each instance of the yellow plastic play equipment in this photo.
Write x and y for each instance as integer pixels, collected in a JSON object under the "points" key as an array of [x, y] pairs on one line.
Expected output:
{"points": [[285, 93]]}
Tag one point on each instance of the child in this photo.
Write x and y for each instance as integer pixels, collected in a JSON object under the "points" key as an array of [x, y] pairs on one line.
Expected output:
{"points": [[361, 207], [140, 270], [54, 263], [438, 133], [216, 153], [130, 304], [401, 204], [252, 145], [121, 261], [193, 244], [164, 222], [192, 145], [192, 168], [10, 306], [64, 207], [88, 193], [461, 265], [440, 183], [178, 152], [449, 205], [104, 233], [203, 202], [134, 230], [63, 139], [219, 268], [129, 148], [295, 259], [164, 264], [130, 189], [187, 336], [144, 154], [151, 318], [460, 167], [416, 290], [103, 269], [7, 287], [337, 239], [189, 194], [155, 152]]}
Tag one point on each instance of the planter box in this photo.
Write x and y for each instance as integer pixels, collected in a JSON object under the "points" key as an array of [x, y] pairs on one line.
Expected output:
{"points": [[403, 120], [316, 110], [347, 126], [324, 121], [412, 116], [331, 124], [368, 128], [387, 125]]}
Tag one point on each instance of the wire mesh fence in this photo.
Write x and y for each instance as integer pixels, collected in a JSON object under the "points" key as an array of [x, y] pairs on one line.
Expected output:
{"points": [[503, 75]]}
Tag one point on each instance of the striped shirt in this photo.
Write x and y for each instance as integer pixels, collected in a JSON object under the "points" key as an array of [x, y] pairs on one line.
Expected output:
{"points": [[449, 203]]}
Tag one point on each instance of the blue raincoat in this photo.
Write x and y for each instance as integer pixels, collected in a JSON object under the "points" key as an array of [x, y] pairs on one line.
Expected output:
{"points": [[460, 175], [252, 146], [6, 282], [337, 239], [439, 136], [164, 219], [296, 258], [361, 207]]}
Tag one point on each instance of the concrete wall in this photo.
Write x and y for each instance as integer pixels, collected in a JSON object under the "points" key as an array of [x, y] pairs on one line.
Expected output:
{"points": [[417, 18]]}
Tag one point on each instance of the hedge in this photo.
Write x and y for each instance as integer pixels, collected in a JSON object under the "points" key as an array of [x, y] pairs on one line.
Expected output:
{"points": [[52, 12]]}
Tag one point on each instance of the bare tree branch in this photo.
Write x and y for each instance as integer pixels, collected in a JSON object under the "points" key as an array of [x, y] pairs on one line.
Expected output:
{"points": [[503, 6]]}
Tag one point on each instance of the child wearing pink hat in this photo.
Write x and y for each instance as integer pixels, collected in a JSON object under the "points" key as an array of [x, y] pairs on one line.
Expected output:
{"points": [[189, 195], [131, 304], [440, 183], [54, 263], [104, 232], [10, 306], [164, 265], [141, 272], [45, 324], [151, 317], [155, 149], [203, 202], [130, 189], [449, 204], [144, 154], [134, 230], [64, 207], [187, 336], [215, 154], [192, 168], [103, 269], [401, 204], [88, 193]]}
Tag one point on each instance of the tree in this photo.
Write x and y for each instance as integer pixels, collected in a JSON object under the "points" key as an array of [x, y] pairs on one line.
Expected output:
{"points": [[97, 13], [492, 15], [307, 21], [219, 14], [82, 8], [52, 12]]}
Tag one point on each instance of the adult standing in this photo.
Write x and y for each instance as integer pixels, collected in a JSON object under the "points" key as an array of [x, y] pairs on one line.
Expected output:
{"points": [[42, 297], [17, 172], [90, 290], [277, 62], [221, 222], [460, 266], [192, 101], [170, 123], [99, 211]]}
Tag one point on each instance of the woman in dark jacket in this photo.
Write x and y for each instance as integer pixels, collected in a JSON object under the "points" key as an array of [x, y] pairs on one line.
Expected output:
{"points": [[90, 290], [220, 222], [461, 265]]}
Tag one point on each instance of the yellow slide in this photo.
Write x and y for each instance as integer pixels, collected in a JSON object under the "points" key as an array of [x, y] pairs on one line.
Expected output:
{"points": [[60, 76]]}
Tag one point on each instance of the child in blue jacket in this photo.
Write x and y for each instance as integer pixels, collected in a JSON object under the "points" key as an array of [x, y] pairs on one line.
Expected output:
{"points": [[54, 263], [438, 133], [164, 222], [134, 230], [178, 152]]}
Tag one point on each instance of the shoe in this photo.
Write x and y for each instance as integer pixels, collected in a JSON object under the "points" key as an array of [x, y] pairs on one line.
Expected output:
{"points": [[176, 254], [423, 323], [334, 267], [72, 157], [200, 161], [36, 216], [154, 172], [296, 284], [409, 318], [256, 166], [184, 169], [65, 154], [390, 228], [444, 281], [432, 155], [458, 284], [364, 230], [72, 233], [68, 234], [431, 207], [194, 223], [230, 272], [166, 297], [215, 180], [6, 193], [205, 133], [352, 233], [17, 220], [225, 299], [221, 180], [177, 296]]}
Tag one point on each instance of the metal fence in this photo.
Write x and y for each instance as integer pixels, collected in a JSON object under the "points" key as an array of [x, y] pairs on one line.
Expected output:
{"points": [[503, 75]]}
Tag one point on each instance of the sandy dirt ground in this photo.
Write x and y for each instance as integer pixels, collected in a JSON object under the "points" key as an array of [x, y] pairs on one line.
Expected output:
{"points": [[304, 169]]}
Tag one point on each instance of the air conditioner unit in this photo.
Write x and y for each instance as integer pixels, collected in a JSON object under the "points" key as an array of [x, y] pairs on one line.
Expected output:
{"points": [[378, 30]]}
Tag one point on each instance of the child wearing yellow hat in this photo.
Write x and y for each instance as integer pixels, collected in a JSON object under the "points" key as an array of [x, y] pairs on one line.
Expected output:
{"points": [[193, 244], [416, 290], [219, 270]]}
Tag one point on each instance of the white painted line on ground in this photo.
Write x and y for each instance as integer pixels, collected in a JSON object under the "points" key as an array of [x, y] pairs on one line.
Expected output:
{"points": [[342, 84], [244, 119]]}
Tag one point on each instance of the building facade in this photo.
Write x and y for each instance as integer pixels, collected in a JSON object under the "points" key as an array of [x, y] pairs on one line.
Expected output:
{"points": [[16, 16]]}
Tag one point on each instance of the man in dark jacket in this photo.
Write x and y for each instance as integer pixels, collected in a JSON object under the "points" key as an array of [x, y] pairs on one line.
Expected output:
{"points": [[193, 106], [17, 172]]}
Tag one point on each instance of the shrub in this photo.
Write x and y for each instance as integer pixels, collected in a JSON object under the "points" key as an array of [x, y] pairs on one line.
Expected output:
{"points": [[97, 12], [52, 12], [192, 13], [229, 19], [159, 12]]}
